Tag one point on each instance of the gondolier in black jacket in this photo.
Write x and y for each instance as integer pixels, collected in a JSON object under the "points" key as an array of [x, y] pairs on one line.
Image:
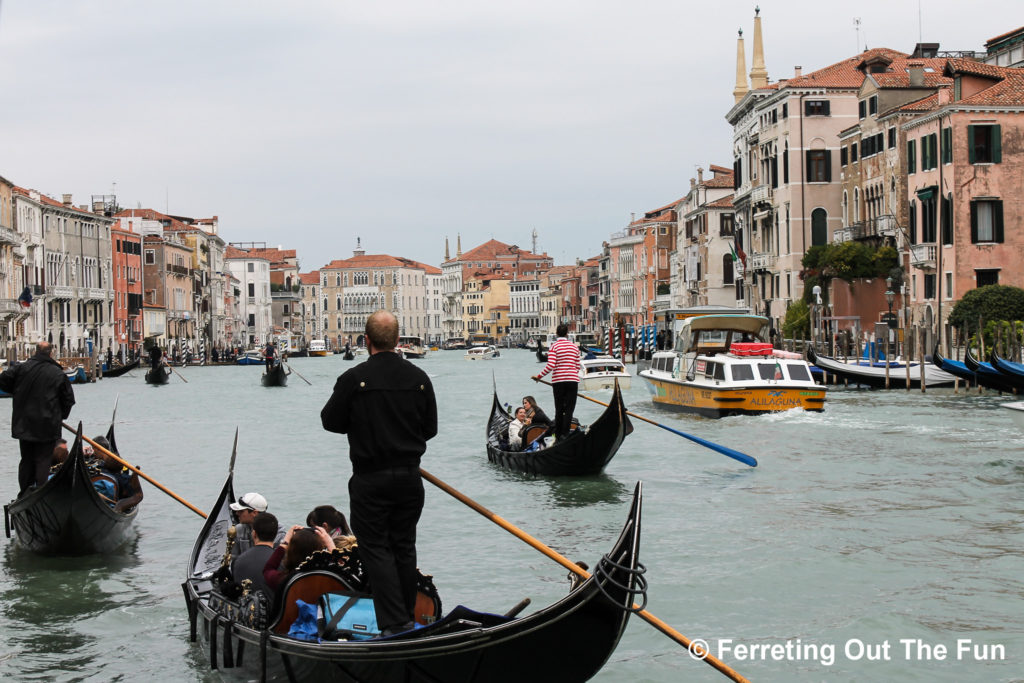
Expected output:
{"points": [[386, 405], [42, 398]]}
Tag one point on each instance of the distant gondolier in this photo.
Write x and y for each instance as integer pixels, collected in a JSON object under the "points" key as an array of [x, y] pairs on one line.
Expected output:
{"points": [[564, 364], [42, 398], [268, 355], [155, 357]]}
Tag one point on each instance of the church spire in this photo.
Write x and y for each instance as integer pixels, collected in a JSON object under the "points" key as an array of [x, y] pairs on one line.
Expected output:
{"points": [[446, 256], [758, 74], [741, 70], [458, 246]]}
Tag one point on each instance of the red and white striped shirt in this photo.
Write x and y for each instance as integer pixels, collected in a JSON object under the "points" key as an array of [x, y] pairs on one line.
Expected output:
{"points": [[564, 359]]}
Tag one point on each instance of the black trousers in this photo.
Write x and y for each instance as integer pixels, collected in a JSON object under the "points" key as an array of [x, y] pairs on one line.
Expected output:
{"points": [[565, 404], [386, 506], [34, 467]]}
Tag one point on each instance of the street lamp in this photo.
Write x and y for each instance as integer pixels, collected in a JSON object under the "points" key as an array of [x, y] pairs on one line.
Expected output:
{"points": [[889, 294]]}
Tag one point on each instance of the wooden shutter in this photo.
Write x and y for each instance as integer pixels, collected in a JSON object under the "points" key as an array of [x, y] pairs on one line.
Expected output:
{"points": [[974, 217], [997, 221], [911, 156], [828, 166], [996, 145], [970, 145]]}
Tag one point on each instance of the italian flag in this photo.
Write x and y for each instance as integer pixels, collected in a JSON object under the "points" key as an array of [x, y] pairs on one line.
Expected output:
{"points": [[732, 248]]}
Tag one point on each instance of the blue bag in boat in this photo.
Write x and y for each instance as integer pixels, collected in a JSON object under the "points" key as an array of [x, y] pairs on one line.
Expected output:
{"points": [[346, 616], [305, 625]]}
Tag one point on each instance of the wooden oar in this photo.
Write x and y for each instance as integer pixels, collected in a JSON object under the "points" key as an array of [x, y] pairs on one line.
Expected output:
{"points": [[724, 450], [291, 369], [137, 471], [696, 649], [175, 372]]}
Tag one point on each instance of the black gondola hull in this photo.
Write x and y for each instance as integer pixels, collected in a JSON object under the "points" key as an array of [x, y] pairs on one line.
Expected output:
{"points": [[158, 375], [277, 377], [992, 378], [578, 455], [66, 516], [569, 640], [120, 370]]}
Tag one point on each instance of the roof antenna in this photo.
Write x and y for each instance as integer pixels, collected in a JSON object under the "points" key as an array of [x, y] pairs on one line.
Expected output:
{"points": [[856, 28]]}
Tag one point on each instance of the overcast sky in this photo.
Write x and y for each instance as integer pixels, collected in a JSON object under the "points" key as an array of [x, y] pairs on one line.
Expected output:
{"points": [[310, 123]]}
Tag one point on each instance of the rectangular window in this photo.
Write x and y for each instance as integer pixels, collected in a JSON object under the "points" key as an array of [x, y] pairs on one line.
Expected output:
{"points": [[892, 138], [853, 153], [947, 145], [984, 144], [929, 152], [862, 109], [843, 152], [817, 108], [947, 219], [785, 110], [929, 286], [150, 257], [986, 220], [911, 156], [873, 104], [987, 277], [948, 293], [252, 289], [819, 168], [726, 225], [251, 267]]}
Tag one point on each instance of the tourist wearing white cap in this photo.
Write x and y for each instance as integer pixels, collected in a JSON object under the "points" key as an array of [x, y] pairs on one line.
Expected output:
{"points": [[245, 509]]}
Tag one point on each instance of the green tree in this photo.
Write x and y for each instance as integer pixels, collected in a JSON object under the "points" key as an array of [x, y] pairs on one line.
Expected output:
{"points": [[798, 321], [989, 304]]}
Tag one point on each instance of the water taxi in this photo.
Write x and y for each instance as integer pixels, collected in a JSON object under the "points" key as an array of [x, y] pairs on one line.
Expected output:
{"points": [[722, 365], [318, 348], [482, 352], [412, 347], [601, 372]]}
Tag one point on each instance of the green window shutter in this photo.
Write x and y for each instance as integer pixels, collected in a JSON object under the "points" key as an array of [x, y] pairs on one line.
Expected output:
{"points": [[997, 145], [974, 222], [828, 166], [911, 157], [947, 145], [970, 145], [997, 221]]}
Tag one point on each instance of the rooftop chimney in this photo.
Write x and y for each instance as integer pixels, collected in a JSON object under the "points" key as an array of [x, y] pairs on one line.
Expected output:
{"points": [[916, 71], [700, 175], [798, 71], [67, 200]]}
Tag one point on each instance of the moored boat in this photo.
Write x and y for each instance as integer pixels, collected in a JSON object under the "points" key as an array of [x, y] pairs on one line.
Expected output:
{"points": [[251, 357], [118, 370], [412, 347], [953, 367], [1017, 408], [991, 377], [586, 451], [318, 348], [602, 372], [569, 640], [873, 374], [67, 515], [277, 376], [721, 365]]}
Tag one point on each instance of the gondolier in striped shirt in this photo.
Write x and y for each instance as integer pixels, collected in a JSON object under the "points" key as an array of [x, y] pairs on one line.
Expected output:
{"points": [[564, 366]]}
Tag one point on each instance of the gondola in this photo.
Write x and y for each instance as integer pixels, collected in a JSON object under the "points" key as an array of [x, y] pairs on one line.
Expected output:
{"points": [[569, 640], [954, 367], [542, 354], [586, 451], [1006, 367], [277, 376], [348, 355], [990, 377], [121, 369], [874, 377], [66, 515], [158, 375]]}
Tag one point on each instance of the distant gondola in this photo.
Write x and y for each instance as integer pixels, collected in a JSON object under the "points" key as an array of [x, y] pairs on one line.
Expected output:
{"points": [[277, 376], [586, 451], [542, 353], [990, 377], [1007, 367], [67, 515], [121, 369], [569, 640], [158, 375], [348, 355], [874, 377]]}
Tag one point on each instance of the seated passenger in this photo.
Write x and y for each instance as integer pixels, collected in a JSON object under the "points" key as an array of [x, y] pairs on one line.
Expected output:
{"points": [[298, 544], [244, 510], [534, 412], [250, 564], [334, 523], [515, 429], [60, 454], [129, 490]]}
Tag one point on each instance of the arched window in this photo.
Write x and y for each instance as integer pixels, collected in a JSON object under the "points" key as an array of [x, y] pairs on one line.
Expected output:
{"points": [[337, 279], [325, 303], [912, 227], [846, 209], [727, 269], [856, 205], [338, 304], [819, 226]]}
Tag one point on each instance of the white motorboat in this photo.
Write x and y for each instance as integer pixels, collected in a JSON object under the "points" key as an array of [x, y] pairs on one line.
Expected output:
{"points": [[1017, 407], [482, 352], [601, 372]]}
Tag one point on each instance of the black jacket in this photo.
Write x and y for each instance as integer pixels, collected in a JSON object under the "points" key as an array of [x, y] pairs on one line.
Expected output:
{"points": [[42, 398], [386, 405]]}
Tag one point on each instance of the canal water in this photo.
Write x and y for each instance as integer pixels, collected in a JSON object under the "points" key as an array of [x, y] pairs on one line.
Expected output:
{"points": [[881, 540]]}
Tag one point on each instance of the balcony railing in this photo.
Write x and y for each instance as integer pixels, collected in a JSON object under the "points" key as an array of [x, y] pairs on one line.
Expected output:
{"points": [[11, 306], [880, 226], [741, 303], [761, 194], [8, 236], [62, 292], [923, 256], [762, 261]]}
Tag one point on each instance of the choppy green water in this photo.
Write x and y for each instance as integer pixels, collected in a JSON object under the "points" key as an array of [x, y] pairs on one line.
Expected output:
{"points": [[890, 517]]}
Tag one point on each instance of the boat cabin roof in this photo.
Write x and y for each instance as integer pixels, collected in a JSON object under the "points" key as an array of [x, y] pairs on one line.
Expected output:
{"points": [[714, 333], [751, 324]]}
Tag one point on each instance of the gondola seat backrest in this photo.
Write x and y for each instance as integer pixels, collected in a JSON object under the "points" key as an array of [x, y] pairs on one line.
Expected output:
{"points": [[532, 433], [308, 587], [106, 485]]}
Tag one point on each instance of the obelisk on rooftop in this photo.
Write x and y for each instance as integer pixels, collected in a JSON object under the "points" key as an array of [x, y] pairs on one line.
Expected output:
{"points": [[758, 74], [741, 70]]}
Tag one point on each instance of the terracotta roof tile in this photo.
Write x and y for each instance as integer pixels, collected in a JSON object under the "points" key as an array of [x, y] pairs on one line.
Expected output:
{"points": [[844, 74], [973, 68], [723, 203], [311, 278], [922, 105], [235, 252], [1003, 36]]}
